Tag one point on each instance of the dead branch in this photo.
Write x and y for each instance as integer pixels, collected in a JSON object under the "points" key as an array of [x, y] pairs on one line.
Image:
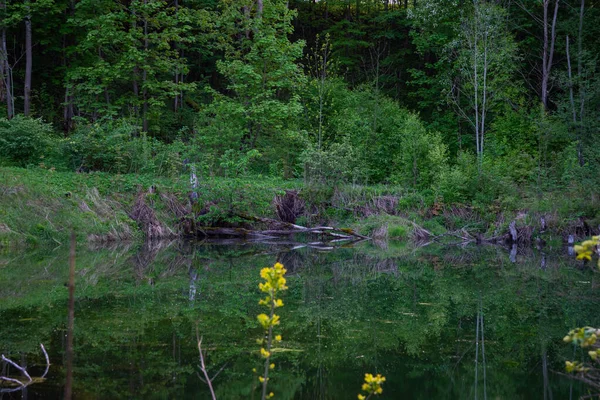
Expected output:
{"points": [[22, 385], [206, 379], [278, 228], [17, 366]]}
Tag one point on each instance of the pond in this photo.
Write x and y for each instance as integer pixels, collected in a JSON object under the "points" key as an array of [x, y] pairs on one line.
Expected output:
{"points": [[438, 322]]}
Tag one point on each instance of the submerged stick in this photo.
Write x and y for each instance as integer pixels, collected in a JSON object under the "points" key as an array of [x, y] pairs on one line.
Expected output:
{"points": [[207, 379], [23, 370], [47, 361]]}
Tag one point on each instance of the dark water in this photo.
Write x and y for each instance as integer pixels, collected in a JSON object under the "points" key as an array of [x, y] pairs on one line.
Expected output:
{"points": [[408, 314]]}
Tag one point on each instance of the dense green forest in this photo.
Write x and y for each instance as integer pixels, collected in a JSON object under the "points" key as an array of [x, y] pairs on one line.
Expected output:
{"points": [[464, 102]]}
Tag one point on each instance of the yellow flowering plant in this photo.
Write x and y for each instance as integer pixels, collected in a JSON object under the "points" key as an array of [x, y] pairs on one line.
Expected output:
{"points": [[586, 249], [371, 386], [274, 283], [585, 338]]}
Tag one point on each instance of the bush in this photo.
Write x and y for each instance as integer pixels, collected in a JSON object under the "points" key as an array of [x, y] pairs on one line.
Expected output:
{"points": [[114, 147], [24, 141]]}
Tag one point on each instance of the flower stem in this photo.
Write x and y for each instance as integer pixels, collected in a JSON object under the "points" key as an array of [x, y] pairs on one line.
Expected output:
{"points": [[269, 341]]}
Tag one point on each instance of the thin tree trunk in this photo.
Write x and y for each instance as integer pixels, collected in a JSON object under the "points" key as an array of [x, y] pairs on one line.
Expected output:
{"points": [[145, 75], [548, 50], [259, 8], [68, 111], [2, 88], [136, 91], [476, 92], [136, 71], [176, 100], [28, 65], [484, 100], [580, 76], [106, 93], [572, 100], [6, 76]]}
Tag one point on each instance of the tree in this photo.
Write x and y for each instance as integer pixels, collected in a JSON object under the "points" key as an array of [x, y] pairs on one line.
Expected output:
{"points": [[6, 84], [485, 57], [128, 57], [262, 77]]}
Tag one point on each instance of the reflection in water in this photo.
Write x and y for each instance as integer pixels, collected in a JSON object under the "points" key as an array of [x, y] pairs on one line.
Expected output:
{"points": [[479, 339], [71, 321], [392, 310]]}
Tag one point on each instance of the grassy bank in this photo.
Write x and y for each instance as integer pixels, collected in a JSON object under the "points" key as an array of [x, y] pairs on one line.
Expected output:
{"points": [[43, 206]]}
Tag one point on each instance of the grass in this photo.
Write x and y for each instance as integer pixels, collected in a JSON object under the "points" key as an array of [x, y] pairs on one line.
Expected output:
{"points": [[39, 205], [42, 205]]}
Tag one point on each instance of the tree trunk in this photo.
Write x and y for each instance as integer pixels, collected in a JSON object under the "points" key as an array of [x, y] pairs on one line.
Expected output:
{"points": [[572, 100], [548, 50], [7, 76], [145, 76], [259, 8], [136, 91], [28, 65], [176, 100], [580, 76]]}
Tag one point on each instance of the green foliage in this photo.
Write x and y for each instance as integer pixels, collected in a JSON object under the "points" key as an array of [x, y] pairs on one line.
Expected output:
{"points": [[398, 232], [117, 147], [263, 78], [338, 163], [24, 141]]}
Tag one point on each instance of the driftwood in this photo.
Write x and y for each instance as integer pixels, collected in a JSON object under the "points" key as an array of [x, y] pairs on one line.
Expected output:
{"points": [[277, 229], [20, 384], [339, 234]]}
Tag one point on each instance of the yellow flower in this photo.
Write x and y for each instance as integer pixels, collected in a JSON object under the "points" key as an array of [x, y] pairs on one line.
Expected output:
{"points": [[372, 385], [271, 395], [278, 303], [278, 338], [261, 379], [272, 366], [265, 302], [567, 339], [589, 244], [361, 397], [584, 255], [275, 320], [264, 273], [263, 320], [264, 353]]}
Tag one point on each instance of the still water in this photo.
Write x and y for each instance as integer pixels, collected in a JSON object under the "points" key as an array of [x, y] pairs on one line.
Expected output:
{"points": [[410, 314]]}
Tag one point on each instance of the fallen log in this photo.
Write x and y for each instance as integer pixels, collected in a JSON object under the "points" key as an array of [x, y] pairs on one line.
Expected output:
{"points": [[287, 228]]}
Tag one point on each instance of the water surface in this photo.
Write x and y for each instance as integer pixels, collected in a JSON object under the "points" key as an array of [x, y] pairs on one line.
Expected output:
{"points": [[409, 314]]}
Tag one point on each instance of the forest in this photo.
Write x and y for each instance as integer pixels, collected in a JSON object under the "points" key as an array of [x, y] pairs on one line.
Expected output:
{"points": [[416, 167], [489, 104]]}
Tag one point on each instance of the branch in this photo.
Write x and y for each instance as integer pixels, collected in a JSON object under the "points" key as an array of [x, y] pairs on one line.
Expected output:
{"points": [[207, 380], [18, 382], [17, 366], [47, 361]]}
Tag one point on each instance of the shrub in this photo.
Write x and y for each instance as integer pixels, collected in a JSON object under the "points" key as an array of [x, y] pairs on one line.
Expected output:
{"points": [[24, 141], [114, 147]]}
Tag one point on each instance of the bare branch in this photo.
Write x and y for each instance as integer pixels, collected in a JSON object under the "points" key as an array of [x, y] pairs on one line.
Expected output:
{"points": [[18, 382], [17, 366], [207, 380], [47, 360]]}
